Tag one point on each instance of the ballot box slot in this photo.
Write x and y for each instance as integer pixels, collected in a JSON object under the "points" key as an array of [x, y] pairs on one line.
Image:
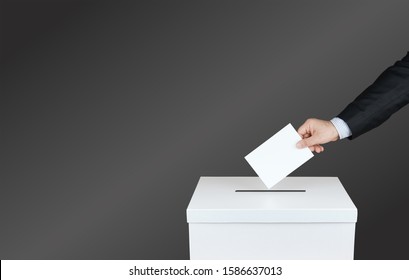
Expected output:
{"points": [[270, 191]]}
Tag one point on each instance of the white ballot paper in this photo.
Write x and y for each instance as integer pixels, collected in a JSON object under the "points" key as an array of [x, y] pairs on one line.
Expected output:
{"points": [[278, 156]]}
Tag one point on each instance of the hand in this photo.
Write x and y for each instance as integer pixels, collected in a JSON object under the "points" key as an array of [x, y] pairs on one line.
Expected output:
{"points": [[316, 132]]}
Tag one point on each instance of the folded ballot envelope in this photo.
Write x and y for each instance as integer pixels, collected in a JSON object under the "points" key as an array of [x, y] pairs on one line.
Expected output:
{"points": [[277, 157]]}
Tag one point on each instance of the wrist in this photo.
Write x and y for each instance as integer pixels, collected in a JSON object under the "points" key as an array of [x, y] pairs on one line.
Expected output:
{"points": [[334, 132], [341, 128]]}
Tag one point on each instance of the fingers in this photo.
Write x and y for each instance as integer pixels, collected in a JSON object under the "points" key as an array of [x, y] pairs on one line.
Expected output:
{"points": [[319, 149], [316, 148], [304, 129], [314, 133], [308, 142], [311, 143], [313, 148], [301, 144]]}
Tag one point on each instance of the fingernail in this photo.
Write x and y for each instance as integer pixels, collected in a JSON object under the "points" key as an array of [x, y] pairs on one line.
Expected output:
{"points": [[299, 145]]}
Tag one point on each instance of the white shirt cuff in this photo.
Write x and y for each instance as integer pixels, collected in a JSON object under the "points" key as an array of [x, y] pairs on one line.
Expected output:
{"points": [[343, 129]]}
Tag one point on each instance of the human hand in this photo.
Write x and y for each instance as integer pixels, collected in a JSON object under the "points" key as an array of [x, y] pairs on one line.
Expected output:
{"points": [[316, 132]]}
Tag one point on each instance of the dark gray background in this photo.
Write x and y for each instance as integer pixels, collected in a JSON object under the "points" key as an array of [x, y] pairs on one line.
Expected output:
{"points": [[111, 111]]}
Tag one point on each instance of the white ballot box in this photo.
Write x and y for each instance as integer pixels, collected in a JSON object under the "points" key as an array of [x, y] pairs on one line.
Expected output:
{"points": [[299, 218]]}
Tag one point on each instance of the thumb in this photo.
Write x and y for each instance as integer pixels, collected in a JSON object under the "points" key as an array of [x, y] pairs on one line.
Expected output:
{"points": [[307, 142]]}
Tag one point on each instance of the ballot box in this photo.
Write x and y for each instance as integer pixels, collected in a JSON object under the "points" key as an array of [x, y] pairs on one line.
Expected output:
{"points": [[299, 218]]}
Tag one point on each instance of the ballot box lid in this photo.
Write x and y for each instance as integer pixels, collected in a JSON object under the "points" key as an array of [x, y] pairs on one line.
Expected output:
{"points": [[248, 200]]}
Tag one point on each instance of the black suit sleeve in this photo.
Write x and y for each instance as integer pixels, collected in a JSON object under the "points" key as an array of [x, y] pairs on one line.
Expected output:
{"points": [[379, 101]]}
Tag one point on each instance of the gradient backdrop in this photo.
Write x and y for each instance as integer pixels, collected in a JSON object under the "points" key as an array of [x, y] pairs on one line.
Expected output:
{"points": [[111, 111]]}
